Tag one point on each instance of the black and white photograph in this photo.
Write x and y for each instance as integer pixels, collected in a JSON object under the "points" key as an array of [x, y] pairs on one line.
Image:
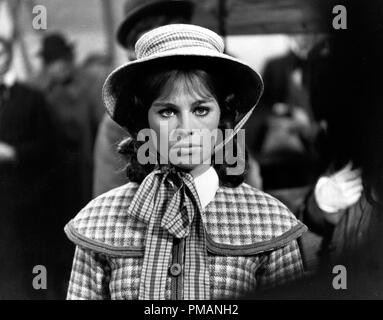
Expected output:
{"points": [[213, 151]]}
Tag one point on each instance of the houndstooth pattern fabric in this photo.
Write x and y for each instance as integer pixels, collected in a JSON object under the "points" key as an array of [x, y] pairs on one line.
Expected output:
{"points": [[246, 209], [251, 244]]}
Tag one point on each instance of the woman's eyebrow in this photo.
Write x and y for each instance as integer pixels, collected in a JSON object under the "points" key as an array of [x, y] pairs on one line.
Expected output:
{"points": [[160, 104], [163, 104], [202, 101]]}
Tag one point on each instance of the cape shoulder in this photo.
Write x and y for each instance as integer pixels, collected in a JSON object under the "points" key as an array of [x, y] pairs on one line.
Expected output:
{"points": [[104, 224], [239, 221], [248, 218]]}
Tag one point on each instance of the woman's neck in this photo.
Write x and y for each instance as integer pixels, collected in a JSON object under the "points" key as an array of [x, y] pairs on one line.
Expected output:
{"points": [[200, 169]]}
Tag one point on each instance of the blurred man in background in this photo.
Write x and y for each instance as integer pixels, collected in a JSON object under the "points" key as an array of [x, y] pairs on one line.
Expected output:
{"points": [[97, 66], [75, 115], [73, 109], [284, 126], [26, 152]]}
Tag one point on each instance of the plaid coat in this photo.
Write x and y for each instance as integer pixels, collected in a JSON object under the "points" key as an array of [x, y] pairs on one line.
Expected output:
{"points": [[251, 243]]}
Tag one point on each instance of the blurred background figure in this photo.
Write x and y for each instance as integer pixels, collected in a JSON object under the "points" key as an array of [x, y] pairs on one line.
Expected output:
{"points": [[284, 127], [97, 66], [75, 112], [27, 147], [141, 16], [344, 204]]}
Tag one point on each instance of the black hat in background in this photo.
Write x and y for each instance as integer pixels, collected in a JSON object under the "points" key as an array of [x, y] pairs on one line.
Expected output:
{"points": [[55, 47], [136, 10]]}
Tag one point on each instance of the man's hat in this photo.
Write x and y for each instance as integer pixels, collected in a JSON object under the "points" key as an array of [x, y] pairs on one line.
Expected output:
{"points": [[176, 45], [136, 10], [54, 47]]}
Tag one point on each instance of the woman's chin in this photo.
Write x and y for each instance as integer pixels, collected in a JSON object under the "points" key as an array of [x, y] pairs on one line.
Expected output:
{"points": [[185, 165], [188, 163]]}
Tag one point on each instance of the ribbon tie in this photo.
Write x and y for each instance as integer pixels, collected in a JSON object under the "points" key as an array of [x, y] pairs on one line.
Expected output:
{"points": [[167, 201]]}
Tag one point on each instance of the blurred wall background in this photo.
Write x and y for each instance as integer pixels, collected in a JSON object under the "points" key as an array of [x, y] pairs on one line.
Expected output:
{"points": [[84, 23]]}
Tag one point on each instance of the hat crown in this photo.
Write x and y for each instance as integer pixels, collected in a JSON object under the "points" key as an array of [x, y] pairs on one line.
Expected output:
{"points": [[177, 36]]}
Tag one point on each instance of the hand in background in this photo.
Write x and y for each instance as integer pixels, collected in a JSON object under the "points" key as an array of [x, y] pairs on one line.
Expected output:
{"points": [[7, 152], [338, 191]]}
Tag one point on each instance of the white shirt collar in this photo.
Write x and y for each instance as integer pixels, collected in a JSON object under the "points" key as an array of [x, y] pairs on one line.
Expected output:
{"points": [[207, 185]]}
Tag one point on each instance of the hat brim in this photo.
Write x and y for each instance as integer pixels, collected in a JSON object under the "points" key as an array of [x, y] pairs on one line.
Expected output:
{"points": [[245, 82], [177, 8]]}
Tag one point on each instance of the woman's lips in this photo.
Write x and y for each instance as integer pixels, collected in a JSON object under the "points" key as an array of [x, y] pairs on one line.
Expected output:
{"points": [[186, 149], [185, 145]]}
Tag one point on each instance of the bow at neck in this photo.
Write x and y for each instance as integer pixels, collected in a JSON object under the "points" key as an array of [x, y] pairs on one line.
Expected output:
{"points": [[168, 202], [170, 194]]}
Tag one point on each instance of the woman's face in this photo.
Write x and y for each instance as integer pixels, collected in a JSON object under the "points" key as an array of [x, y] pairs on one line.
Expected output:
{"points": [[183, 119]]}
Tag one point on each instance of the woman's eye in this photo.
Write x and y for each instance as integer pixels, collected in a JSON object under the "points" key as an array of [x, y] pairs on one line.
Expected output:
{"points": [[201, 111], [166, 113]]}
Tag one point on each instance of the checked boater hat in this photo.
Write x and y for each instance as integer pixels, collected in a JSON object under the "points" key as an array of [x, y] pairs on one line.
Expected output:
{"points": [[174, 45]]}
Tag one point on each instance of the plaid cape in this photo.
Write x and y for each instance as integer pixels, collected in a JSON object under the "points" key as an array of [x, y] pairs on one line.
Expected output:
{"points": [[250, 241]]}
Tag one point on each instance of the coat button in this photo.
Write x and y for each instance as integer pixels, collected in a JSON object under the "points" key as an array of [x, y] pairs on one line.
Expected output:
{"points": [[175, 269]]}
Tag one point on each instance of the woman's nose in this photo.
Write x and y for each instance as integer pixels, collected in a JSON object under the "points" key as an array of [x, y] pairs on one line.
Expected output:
{"points": [[185, 126]]}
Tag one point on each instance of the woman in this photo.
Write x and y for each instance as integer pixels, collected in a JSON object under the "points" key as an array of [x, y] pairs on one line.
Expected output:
{"points": [[182, 230]]}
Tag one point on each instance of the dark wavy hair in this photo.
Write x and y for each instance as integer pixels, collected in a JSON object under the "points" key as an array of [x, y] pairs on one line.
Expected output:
{"points": [[149, 86]]}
